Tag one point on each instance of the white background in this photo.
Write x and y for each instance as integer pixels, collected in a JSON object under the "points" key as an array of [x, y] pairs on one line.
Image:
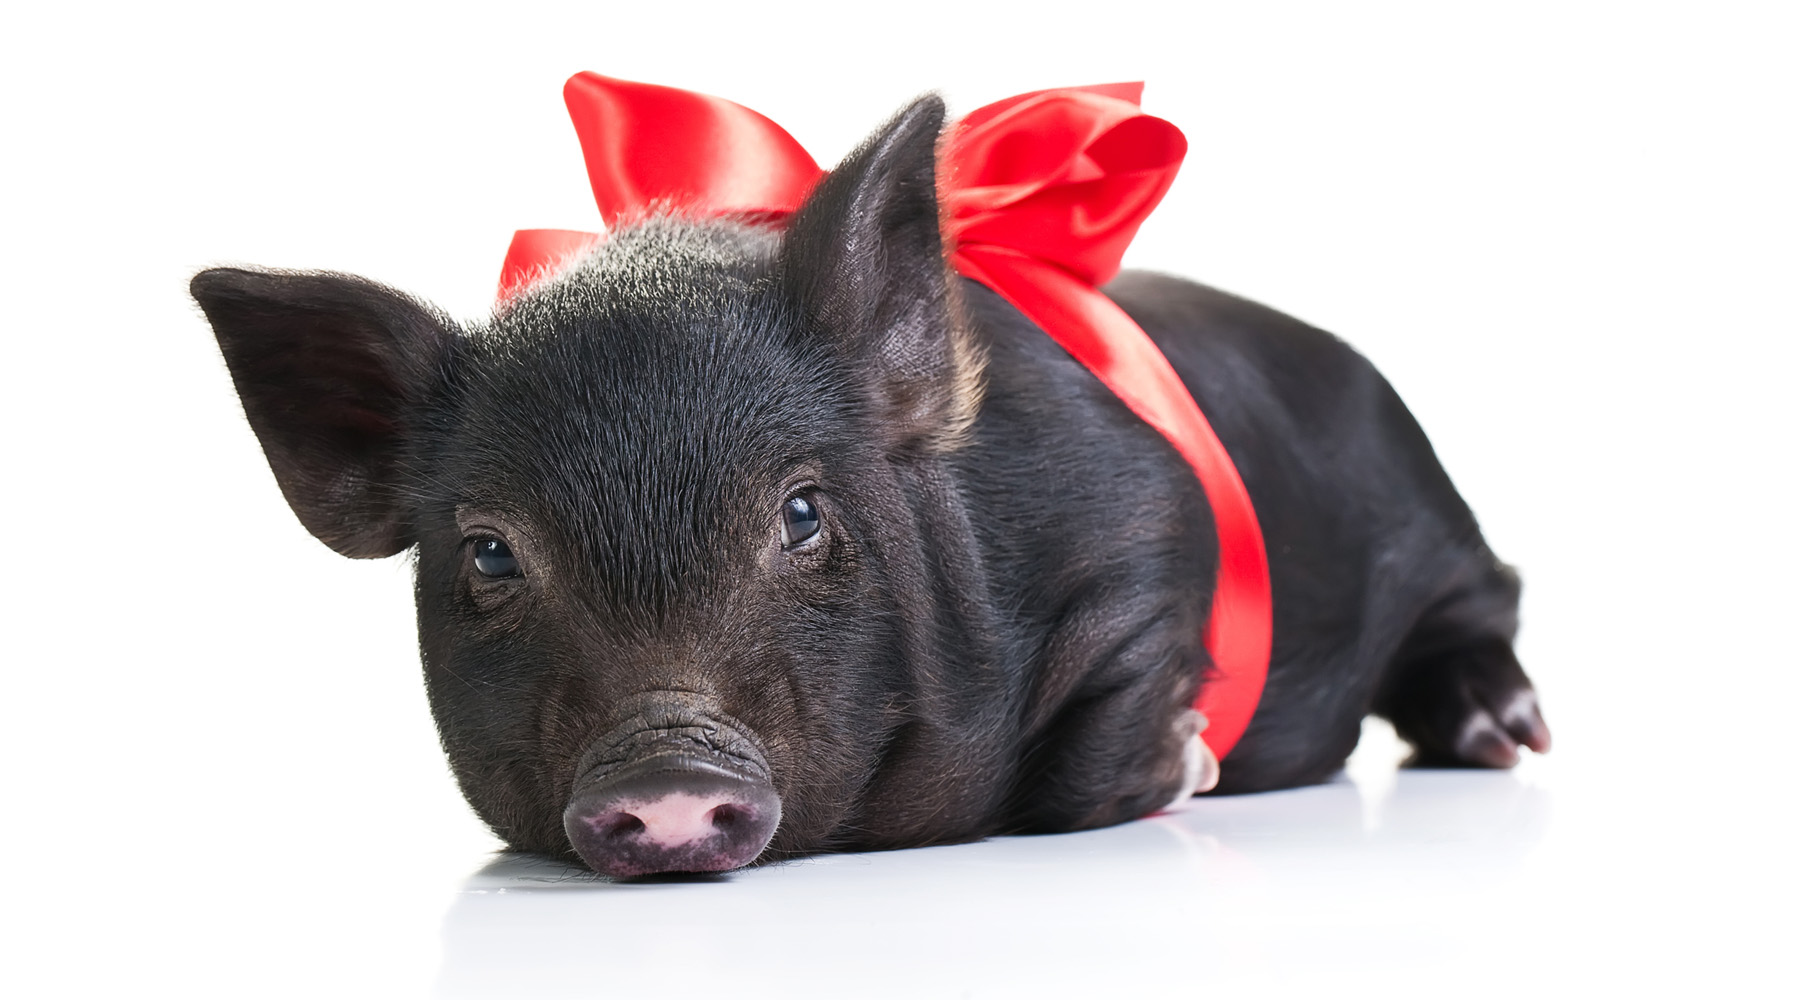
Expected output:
{"points": [[1567, 232]]}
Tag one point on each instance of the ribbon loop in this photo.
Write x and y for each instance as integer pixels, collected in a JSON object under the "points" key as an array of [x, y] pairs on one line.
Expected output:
{"points": [[647, 145], [1065, 176]]}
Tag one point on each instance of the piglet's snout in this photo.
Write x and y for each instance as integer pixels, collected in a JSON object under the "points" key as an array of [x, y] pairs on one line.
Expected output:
{"points": [[671, 816]]}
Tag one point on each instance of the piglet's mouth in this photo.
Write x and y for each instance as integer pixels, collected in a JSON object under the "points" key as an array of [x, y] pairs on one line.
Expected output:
{"points": [[659, 802]]}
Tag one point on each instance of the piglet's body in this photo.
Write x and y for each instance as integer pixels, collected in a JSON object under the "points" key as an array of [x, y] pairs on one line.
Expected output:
{"points": [[736, 544]]}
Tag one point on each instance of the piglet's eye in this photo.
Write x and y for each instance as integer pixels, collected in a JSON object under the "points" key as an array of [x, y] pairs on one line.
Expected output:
{"points": [[799, 520], [494, 559]]}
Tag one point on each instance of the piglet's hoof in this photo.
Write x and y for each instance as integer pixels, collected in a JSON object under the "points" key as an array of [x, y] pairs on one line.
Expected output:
{"points": [[1199, 767]]}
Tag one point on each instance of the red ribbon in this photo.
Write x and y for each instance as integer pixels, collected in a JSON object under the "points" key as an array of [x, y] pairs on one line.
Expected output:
{"points": [[1041, 194]]}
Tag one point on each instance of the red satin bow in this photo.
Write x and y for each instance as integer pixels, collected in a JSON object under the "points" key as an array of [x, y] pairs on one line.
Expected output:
{"points": [[1041, 194]]}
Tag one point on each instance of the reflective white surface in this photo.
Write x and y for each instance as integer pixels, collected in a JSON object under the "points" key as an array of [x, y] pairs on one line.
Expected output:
{"points": [[1565, 879], [1565, 231], [1310, 887], [1388, 884]]}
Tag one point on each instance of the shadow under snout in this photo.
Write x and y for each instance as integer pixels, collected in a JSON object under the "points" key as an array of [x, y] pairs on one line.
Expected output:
{"points": [[671, 813]]}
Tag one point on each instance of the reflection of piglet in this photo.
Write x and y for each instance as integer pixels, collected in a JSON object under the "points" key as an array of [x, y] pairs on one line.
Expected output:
{"points": [[736, 544]]}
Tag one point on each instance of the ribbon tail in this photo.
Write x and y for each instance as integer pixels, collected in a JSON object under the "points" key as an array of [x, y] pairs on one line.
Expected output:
{"points": [[536, 254], [1100, 335]]}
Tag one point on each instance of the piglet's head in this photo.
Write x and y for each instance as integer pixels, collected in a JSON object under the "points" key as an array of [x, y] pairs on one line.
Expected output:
{"points": [[671, 575]]}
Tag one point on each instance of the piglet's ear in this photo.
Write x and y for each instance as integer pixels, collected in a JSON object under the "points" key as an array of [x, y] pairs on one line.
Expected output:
{"points": [[865, 260], [332, 370]]}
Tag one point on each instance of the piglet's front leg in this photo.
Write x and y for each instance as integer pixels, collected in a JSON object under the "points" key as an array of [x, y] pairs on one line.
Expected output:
{"points": [[1126, 742]]}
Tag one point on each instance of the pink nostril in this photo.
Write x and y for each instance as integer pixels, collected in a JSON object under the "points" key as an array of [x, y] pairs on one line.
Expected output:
{"points": [[617, 826], [727, 816], [669, 821], [657, 818]]}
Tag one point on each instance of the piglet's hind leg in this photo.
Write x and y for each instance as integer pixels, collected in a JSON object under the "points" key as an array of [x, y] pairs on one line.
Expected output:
{"points": [[1456, 691], [1469, 707]]}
